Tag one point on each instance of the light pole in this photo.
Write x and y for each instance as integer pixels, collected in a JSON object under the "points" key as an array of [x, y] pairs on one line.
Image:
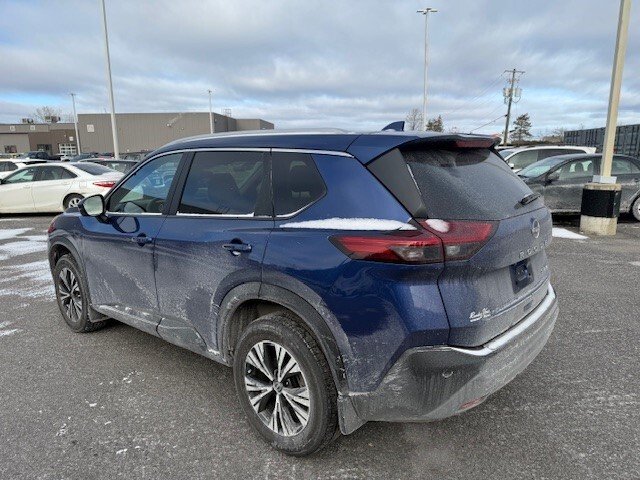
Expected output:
{"points": [[75, 122], [425, 12], [210, 113], [114, 129], [601, 198]]}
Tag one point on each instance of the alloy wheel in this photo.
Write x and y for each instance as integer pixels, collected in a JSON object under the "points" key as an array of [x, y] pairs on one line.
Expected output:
{"points": [[277, 388], [70, 294], [74, 202]]}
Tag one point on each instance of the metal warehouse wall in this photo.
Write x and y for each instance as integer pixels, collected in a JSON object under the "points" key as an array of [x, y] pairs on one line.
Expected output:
{"points": [[148, 131], [627, 139]]}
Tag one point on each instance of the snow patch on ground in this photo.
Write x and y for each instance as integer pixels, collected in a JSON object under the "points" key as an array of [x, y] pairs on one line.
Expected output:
{"points": [[564, 233], [29, 280], [15, 249], [635, 264], [350, 224], [12, 232]]}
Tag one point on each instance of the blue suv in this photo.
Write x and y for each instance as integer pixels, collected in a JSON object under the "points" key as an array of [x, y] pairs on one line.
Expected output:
{"points": [[345, 277]]}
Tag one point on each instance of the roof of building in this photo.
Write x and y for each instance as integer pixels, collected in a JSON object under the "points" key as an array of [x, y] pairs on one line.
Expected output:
{"points": [[364, 146]]}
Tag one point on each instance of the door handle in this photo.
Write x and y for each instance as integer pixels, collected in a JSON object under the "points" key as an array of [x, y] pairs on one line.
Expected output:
{"points": [[141, 239], [237, 248]]}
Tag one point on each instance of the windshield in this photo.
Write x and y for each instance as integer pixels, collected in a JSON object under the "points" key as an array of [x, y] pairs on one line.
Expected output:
{"points": [[540, 168]]}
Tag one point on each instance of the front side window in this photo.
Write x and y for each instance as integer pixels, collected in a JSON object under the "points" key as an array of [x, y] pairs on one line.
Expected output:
{"points": [[296, 182], [225, 183], [26, 175], [146, 191], [576, 169]]}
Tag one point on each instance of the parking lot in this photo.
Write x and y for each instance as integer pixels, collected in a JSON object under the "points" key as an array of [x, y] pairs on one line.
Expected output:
{"points": [[121, 403]]}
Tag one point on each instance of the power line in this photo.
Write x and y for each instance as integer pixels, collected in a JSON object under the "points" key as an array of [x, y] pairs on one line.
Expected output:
{"points": [[488, 123], [477, 97]]}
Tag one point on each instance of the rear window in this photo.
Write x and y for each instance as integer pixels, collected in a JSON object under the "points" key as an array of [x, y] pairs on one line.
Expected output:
{"points": [[457, 184], [93, 168]]}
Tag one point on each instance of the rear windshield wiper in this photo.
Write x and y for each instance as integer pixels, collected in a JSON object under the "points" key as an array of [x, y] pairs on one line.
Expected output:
{"points": [[528, 199]]}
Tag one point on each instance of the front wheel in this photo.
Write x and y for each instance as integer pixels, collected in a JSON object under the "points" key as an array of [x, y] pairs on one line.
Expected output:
{"points": [[635, 209], [72, 295], [285, 386]]}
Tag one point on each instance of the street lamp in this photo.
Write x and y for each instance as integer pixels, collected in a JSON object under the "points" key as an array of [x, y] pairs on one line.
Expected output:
{"points": [[114, 130], [75, 122], [425, 12], [210, 113]]}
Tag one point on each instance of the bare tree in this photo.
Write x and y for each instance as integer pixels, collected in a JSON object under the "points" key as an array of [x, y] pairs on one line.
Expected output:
{"points": [[555, 136], [46, 114], [414, 120]]}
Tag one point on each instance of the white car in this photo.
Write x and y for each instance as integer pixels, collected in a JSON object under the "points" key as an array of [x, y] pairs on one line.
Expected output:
{"points": [[518, 158], [53, 187]]}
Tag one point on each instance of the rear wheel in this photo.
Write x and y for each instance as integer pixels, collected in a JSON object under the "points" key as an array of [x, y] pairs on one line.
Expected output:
{"points": [[285, 386], [72, 200], [72, 295], [635, 209]]}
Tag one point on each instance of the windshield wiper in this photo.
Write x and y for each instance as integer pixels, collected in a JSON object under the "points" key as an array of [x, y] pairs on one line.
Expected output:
{"points": [[532, 197]]}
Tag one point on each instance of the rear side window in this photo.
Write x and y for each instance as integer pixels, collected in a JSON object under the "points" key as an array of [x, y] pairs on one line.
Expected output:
{"points": [[296, 182], [224, 183], [455, 184]]}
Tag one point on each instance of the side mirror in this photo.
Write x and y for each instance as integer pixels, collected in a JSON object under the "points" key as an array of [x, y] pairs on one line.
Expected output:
{"points": [[92, 206], [553, 177]]}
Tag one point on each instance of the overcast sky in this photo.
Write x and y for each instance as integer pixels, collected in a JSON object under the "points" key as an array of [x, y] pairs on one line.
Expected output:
{"points": [[319, 63]]}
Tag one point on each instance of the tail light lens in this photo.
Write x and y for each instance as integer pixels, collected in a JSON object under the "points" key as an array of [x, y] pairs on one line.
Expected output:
{"points": [[52, 226], [460, 239], [414, 247], [105, 183]]}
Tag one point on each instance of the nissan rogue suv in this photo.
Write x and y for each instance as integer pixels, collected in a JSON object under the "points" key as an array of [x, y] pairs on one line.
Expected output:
{"points": [[345, 277]]}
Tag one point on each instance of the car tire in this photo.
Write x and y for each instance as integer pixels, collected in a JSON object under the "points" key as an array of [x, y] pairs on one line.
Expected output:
{"points": [[72, 200], [282, 400], [635, 209], [72, 295]]}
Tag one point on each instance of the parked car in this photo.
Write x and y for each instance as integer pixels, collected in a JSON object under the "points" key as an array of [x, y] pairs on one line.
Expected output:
{"points": [[8, 166], [135, 156], [38, 155], [53, 187], [122, 166], [561, 180], [84, 156], [518, 158], [346, 277]]}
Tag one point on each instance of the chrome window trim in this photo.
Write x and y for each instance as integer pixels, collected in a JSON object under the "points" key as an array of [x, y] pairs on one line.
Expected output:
{"points": [[253, 149], [127, 214], [244, 216]]}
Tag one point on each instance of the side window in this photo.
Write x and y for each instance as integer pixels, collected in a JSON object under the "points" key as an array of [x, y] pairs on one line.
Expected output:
{"points": [[11, 167], [578, 168], [4, 166], [55, 173], [26, 175], [523, 159], [225, 183], [296, 182], [146, 191], [622, 166], [552, 152]]}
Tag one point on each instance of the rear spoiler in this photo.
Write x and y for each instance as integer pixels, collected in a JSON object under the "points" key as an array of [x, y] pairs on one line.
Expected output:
{"points": [[368, 147]]}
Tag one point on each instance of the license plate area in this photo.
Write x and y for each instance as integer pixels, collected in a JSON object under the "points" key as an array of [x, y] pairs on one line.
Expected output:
{"points": [[521, 274]]}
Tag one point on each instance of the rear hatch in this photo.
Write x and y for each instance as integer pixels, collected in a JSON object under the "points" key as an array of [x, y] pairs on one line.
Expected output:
{"points": [[493, 228]]}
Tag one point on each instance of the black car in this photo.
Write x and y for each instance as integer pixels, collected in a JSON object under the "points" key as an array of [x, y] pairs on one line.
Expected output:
{"points": [[123, 166], [561, 180]]}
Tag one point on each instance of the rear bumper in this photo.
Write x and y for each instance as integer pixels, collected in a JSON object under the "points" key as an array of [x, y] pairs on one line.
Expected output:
{"points": [[432, 383]]}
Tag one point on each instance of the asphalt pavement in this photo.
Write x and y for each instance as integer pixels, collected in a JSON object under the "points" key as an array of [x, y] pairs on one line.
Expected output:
{"points": [[119, 403]]}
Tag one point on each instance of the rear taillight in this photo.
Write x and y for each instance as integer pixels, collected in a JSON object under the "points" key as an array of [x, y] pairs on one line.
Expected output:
{"points": [[52, 226], [412, 247], [460, 238], [105, 184]]}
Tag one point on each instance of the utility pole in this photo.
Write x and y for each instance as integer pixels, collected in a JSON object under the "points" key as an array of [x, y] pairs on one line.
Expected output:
{"points": [[210, 113], [75, 122], [425, 12], [511, 94], [114, 129], [601, 198]]}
